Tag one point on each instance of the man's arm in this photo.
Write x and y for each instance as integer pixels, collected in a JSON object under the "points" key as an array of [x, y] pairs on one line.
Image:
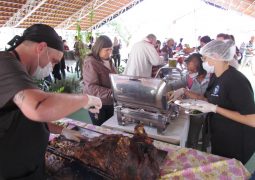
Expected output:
{"points": [[38, 105]]}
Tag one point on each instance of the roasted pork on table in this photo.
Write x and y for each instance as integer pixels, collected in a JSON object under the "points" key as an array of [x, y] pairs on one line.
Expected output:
{"points": [[121, 157]]}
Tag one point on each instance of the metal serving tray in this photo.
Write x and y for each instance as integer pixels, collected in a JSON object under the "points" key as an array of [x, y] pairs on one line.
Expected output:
{"points": [[131, 91]]}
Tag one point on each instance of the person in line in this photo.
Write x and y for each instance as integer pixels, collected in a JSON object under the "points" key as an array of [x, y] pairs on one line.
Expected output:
{"points": [[230, 99], [222, 36], [238, 56], [68, 55], [25, 110], [91, 42], [195, 84], [167, 50], [249, 53], [77, 55], [79, 47], [158, 46], [203, 41], [63, 61], [59, 69], [179, 47], [198, 43], [116, 52], [56, 72], [142, 57], [97, 67]]}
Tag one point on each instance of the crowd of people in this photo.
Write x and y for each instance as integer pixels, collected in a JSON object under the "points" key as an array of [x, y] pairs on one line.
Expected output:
{"points": [[212, 77]]}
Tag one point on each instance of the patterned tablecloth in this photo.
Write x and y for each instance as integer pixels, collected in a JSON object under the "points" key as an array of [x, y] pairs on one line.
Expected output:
{"points": [[184, 163]]}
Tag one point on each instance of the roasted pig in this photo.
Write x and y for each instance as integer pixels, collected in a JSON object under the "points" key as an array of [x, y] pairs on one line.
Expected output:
{"points": [[118, 156], [121, 156]]}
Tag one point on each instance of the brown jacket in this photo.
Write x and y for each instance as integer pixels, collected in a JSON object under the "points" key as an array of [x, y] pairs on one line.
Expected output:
{"points": [[96, 79]]}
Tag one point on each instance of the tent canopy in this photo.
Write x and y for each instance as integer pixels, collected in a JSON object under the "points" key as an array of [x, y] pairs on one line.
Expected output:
{"points": [[63, 14], [244, 6]]}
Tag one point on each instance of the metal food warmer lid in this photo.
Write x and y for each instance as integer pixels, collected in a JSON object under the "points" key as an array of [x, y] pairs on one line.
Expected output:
{"points": [[139, 92]]}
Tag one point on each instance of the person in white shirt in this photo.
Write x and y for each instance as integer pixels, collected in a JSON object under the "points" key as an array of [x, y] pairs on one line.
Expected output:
{"points": [[249, 53], [222, 37], [142, 57]]}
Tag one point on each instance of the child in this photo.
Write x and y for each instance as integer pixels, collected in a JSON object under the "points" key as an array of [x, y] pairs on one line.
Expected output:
{"points": [[195, 84]]}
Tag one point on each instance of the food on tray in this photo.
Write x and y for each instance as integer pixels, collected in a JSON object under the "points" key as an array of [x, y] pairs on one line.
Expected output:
{"points": [[64, 146], [119, 156], [53, 162], [196, 112]]}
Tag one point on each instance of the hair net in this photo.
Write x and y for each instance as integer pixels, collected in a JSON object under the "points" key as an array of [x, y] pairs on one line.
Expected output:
{"points": [[219, 50]]}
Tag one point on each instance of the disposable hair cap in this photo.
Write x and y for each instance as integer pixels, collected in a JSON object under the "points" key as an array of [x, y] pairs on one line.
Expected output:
{"points": [[219, 50]]}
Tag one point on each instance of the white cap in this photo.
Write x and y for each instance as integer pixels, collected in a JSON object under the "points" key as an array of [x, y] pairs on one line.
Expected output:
{"points": [[219, 50]]}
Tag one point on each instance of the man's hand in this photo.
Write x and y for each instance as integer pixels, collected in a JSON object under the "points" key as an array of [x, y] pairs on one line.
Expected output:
{"points": [[94, 104]]}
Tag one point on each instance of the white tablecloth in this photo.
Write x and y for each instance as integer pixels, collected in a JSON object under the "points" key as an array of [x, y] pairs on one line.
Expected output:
{"points": [[176, 132]]}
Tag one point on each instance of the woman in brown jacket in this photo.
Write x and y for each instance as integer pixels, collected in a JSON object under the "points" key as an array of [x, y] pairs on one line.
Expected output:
{"points": [[96, 70]]}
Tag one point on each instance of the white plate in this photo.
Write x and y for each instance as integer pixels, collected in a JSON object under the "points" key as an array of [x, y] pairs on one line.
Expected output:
{"points": [[187, 104]]}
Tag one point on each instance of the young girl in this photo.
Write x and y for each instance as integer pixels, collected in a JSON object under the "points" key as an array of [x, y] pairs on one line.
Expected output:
{"points": [[195, 84], [196, 80]]}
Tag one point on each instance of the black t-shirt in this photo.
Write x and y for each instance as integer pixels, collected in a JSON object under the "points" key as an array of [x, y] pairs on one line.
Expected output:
{"points": [[232, 91], [13, 78], [116, 49], [22, 141]]}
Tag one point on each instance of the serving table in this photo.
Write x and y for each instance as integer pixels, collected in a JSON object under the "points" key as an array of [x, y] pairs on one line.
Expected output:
{"points": [[176, 132], [185, 163]]}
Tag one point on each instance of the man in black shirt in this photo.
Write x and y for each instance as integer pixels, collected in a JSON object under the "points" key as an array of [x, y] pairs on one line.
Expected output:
{"points": [[25, 111]]}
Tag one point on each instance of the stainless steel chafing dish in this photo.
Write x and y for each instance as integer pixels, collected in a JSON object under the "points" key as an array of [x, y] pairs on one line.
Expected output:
{"points": [[144, 100]]}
